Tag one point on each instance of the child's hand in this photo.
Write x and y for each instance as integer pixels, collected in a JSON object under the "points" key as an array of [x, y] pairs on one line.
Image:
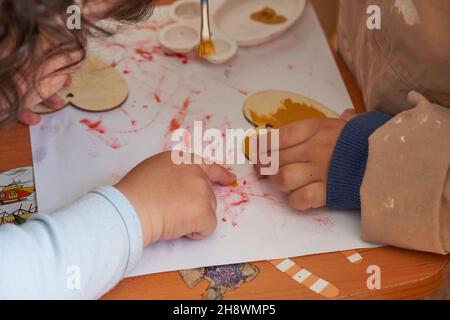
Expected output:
{"points": [[173, 201], [45, 90], [306, 148]]}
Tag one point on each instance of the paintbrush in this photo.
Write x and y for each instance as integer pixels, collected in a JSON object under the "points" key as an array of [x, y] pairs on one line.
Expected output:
{"points": [[206, 47]]}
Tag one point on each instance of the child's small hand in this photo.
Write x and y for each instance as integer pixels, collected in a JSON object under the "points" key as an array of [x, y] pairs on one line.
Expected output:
{"points": [[28, 117], [306, 148], [45, 90], [173, 201]]}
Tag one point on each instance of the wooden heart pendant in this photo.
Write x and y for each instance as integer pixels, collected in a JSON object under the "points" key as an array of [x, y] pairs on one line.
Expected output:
{"points": [[96, 87], [275, 109]]}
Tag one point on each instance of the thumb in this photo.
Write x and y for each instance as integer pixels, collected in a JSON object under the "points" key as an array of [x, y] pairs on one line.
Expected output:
{"points": [[415, 98], [218, 174], [29, 118]]}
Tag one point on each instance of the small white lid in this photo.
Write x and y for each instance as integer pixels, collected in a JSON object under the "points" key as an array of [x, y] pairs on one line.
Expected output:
{"points": [[180, 37], [226, 48], [185, 10]]}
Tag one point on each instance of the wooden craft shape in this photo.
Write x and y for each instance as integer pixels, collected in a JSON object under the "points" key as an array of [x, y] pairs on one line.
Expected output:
{"points": [[96, 87]]}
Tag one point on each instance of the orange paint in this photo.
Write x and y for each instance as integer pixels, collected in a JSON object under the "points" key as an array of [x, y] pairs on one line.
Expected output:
{"points": [[234, 184], [186, 103], [176, 122], [174, 125], [287, 113], [247, 147], [268, 16]]}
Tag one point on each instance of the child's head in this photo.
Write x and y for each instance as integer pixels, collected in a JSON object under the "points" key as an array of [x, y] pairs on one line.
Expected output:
{"points": [[37, 49]]}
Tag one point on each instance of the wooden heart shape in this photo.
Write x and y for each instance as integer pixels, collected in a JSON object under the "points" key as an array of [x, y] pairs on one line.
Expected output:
{"points": [[275, 109], [96, 87]]}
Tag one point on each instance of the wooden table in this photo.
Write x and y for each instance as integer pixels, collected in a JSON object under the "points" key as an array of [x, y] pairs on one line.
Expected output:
{"points": [[404, 274]]}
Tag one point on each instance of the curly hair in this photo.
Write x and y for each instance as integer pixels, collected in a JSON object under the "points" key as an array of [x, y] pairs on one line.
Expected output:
{"points": [[25, 23]]}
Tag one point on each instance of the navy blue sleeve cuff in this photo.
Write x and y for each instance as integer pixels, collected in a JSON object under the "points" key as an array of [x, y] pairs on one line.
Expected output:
{"points": [[348, 164]]}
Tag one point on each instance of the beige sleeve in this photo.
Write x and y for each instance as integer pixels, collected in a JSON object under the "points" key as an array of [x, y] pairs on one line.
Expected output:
{"points": [[405, 195]]}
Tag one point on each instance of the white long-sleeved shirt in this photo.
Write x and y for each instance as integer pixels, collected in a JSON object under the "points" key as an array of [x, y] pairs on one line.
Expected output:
{"points": [[79, 252]]}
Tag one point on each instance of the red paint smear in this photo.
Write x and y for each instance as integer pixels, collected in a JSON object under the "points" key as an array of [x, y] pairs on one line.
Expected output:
{"points": [[238, 203], [234, 201], [97, 128], [158, 50], [174, 125], [93, 126], [157, 98], [115, 145], [176, 122], [186, 103], [182, 57], [126, 113], [126, 71], [146, 55], [245, 93]]}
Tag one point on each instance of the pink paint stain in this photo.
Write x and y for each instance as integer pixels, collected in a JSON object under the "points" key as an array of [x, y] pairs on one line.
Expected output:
{"points": [[127, 114], [146, 55], [97, 128], [323, 221], [233, 201], [181, 57]]}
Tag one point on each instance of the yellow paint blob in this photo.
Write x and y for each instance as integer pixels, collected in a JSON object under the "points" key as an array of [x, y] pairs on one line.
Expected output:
{"points": [[268, 16], [234, 184], [287, 113], [247, 147]]}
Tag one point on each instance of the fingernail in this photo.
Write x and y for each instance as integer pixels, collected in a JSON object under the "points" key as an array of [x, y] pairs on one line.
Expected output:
{"points": [[29, 118]]}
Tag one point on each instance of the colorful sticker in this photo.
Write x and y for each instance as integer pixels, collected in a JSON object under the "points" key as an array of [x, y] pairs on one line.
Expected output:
{"points": [[17, 196]]}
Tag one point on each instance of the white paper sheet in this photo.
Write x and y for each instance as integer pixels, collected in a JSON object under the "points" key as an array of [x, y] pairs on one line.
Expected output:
{"points": [[70, 159]]}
